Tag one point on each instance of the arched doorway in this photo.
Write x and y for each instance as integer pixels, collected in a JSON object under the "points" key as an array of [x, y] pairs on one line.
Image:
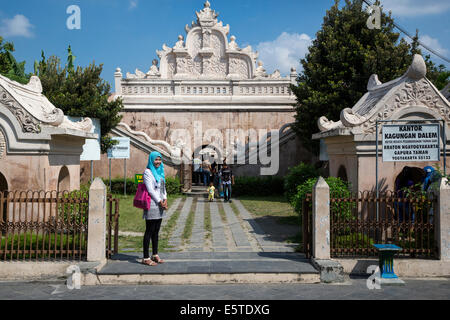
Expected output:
{"points": [[342, 173], [409, 177], [206, 153], [64, 179], [3, 190]]}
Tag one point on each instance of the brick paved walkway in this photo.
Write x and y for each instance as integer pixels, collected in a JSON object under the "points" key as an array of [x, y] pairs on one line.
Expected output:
{"points": [[233, 229]]}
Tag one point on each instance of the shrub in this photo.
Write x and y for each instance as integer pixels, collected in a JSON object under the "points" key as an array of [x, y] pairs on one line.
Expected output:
{"points": [[258, 186], [117, 185], [296, 176], [173, 185], [337, 188]]}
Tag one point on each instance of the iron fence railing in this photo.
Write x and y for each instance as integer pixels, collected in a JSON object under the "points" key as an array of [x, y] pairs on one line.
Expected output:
{"points": [[51, 225], [43, 225], [112, 218], [360, 220]]}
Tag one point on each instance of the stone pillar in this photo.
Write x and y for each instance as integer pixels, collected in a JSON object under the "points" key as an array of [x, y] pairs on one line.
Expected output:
{"points": [[321, 220], [293, 76], [96, 248], [118, 81], [442, 217]]}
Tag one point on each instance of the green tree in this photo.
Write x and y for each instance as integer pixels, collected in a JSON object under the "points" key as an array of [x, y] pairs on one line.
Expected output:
{"points": [[9, 67], [80, 92], [436, 74], [340, 61]]}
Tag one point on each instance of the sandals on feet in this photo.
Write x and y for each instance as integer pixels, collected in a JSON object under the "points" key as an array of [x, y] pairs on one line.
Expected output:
{"points": [[149, 262], [157, 259]]}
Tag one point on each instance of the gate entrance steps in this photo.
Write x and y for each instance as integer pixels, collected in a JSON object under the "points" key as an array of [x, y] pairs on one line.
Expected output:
{"points": [[197, 191], [210, 268]]}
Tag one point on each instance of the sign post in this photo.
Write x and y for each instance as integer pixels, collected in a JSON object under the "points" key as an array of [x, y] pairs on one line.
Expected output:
{"points": [[91, 147], [415, 141], [121, 150]]}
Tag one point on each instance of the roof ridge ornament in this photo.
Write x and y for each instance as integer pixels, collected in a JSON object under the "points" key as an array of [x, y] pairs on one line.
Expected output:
{"points": [[418, 69], [207, 17]]}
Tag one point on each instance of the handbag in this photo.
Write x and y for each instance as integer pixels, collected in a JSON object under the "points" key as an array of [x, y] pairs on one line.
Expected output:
{"points": [[142, 198]]}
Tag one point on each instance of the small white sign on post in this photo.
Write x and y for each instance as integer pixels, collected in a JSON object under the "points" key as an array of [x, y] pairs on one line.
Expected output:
{"points": [[120, 150], [91, 147], [411, 142]]}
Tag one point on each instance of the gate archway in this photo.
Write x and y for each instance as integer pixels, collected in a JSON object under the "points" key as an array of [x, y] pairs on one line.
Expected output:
{"points": [[4, 193], [64, 179]]}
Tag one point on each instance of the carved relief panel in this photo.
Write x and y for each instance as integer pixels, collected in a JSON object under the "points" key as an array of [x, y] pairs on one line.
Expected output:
{"points": [[2, 145], [218, 60]]}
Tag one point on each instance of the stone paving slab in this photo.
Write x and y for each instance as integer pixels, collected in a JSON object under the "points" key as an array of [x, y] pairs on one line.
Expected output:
{"points": [[211, 262], [239, 235], [356, 289], [170, 212], [176, 240]]}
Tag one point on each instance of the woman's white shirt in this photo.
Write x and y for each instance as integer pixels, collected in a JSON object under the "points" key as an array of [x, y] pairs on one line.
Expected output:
{"points": [[153, 187]]}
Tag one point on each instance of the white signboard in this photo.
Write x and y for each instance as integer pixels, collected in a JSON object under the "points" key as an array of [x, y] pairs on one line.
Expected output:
{"points": [[411, 142], [120, 150], [91, 147]]}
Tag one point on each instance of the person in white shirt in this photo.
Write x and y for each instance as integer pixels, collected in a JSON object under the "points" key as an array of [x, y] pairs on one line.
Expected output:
{"points": [[154, 180]]}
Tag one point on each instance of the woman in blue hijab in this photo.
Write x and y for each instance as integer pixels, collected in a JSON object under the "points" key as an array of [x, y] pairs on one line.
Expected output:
{"points": [[155, 181]]}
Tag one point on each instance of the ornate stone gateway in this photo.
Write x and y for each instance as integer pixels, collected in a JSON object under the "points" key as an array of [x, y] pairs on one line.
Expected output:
{"points": [[352, 141], [207, 91], [37, 141]]}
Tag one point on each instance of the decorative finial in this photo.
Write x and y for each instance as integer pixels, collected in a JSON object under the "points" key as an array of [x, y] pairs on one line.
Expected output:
{"points": [[207, 4], [418, 69]]}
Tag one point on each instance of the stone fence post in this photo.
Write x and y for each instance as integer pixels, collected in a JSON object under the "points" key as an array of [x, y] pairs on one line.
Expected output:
{"points": [[442, 217], [96, 247], [321, 220]]}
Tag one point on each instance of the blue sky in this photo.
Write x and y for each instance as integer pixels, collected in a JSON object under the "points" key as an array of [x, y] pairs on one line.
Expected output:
{"points": [[126, 33]]}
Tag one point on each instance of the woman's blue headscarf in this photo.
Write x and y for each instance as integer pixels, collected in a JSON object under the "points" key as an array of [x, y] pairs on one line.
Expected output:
{"points": [[158, 173]]}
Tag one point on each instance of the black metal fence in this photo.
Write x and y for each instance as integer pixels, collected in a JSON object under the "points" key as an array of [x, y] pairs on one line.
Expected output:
{"points": [[43, 225], [359, 220], [363, 219]]}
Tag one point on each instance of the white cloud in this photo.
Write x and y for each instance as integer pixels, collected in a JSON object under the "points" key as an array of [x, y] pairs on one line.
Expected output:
{"points": [[133, 4], [284, 52], [433, 43], [19, 26], [413, 8]]}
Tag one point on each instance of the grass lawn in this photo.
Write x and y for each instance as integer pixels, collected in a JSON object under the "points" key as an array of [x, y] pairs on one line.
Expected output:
{"points": [[276, 207], [131, 220], [130, 217]]}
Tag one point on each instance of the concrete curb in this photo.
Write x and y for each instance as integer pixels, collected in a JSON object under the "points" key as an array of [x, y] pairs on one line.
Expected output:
{"points": [[45, 270], [330, 271], [198, 279], [410, 268]]}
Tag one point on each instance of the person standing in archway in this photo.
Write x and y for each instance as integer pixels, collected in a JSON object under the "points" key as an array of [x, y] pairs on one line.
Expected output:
{"points": [[227, 180], [154, 179]]}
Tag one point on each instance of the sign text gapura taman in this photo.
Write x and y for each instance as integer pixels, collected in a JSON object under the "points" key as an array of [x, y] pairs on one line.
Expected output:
{"points": [[411, 142]]}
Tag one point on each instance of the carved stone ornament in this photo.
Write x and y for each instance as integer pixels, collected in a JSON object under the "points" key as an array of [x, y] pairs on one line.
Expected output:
{"points": [[383, 101], [83, 125], [2, 145], [28, 123], [205, 53], [351, 119], [154, 71], [260, 72], [324, 124]]}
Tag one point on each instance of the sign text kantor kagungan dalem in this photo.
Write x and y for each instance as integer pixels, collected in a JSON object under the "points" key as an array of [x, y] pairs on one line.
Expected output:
{"points": [[411, 142]]}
